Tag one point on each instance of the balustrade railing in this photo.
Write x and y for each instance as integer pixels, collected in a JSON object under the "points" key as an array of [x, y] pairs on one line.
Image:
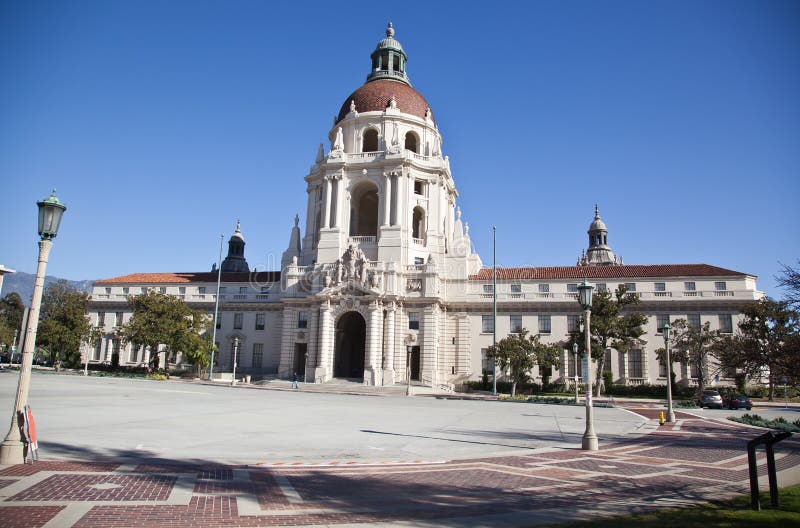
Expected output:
{"points": [[363, 239]]}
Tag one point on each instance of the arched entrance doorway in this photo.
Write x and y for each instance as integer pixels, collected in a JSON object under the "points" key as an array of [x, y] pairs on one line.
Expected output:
{"points": [[351, 341]]}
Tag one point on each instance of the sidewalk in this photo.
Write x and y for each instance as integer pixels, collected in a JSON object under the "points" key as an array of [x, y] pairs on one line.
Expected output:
{"points": [[690, 461]]}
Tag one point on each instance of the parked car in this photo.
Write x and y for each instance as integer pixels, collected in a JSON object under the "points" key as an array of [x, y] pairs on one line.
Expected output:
{"points": [[739, 401], [710, 399]]}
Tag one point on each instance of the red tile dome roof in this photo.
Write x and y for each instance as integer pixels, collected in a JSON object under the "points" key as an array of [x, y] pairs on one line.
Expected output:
{"points": [[375, 96]]}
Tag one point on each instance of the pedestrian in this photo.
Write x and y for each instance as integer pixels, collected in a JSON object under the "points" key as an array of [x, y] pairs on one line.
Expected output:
{"points": [[295, 384]]}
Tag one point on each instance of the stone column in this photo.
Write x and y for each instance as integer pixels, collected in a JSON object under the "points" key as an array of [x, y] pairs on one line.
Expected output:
{"points": [[387, 199], [324, 369], [327, 212], [645, 366], [623, 371], [373, 352], [389, 340], [313, 341], [399, 343]]}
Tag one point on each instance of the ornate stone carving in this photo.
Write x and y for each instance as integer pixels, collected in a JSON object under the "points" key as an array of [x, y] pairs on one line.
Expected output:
{"points": [[351, 267], [337, 151]]}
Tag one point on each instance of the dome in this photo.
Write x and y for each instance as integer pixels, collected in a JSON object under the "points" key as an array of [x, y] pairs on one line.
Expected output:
{"points": [[375, 96], [598, 225]]}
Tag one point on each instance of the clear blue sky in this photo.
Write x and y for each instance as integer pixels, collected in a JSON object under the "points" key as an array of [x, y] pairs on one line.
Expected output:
{"points": [[161, 123]]}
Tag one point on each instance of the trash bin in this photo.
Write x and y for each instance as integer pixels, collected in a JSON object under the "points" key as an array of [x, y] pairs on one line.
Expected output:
{"points": [[247, 378]]}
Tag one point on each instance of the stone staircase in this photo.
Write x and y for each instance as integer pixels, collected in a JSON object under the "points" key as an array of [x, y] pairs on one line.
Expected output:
{"points": [[349, 386]]}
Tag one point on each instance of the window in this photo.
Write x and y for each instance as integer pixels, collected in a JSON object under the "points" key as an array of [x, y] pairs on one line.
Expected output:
{"points": [[573, 323], [571, 365], [182, 290], [222, 289], [126, 290], [101, 318], [118, 319], [265, 289], [693, 320], [726, 323], [260, 321], [694, 372], [487, 363], [242, 290], [607, 360], [488, 288], [163, 289], [419, 187], [238, 319], [544, 288], [572, 288], [630, 286], [143, 289], [689, 286], [660, 287], [413, 320], [419, 261], [302, 319], [635, 364], [487, 324], [661, 321], [96, 352], [108, 291], [516, 288], [662, 368], [602, 287], [515, 323], [720, 286], [201, 290], [544, 324], [411, 138], [258, 355]]}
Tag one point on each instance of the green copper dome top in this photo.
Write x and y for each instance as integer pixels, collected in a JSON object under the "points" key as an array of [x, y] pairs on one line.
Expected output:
{"points": [[389, 59]]}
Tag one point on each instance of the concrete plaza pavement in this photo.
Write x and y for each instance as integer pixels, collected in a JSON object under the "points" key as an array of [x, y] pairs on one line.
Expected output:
{"points": [[183, 454]]}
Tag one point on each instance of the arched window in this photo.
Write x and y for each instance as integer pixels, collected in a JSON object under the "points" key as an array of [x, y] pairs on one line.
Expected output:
{"points": [[364, 213], [370, 141], [418, 223], [412, 143]]}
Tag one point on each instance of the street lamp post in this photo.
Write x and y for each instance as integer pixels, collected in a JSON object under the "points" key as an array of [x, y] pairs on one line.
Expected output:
{"points": [[50, 213], [575, 356], [235, 353], [408, 370], [585, 289], [670, 412]]}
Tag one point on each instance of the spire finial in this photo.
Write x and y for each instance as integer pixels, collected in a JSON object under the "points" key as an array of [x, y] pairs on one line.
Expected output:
{"points": [[596, 211], [296, 220], [238, 226], [389, 30]]}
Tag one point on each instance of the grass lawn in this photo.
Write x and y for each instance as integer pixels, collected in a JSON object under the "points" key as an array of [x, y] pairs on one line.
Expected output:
{"points": [[730, 513]]}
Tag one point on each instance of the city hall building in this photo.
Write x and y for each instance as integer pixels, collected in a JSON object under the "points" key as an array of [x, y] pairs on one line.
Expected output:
{"points": [[382, 276]]}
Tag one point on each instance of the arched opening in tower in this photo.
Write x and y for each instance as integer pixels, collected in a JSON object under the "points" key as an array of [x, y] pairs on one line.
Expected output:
{"points": [[418, 223], [370, 141], [412, 142], [350, 348], [364, 212]]}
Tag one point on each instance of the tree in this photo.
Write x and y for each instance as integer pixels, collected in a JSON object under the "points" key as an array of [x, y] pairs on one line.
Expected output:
{"points": [[161, 319], [64, 323], [519, 353], [767, 341], [693, 345], [11, 312], [614, 324], [789, 279]]}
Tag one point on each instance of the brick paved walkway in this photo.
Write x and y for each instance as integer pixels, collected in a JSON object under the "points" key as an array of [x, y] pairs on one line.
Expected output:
{"points": [[689, 461]]}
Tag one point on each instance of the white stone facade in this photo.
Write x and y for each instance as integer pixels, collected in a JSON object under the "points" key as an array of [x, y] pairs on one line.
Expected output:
{"points": [[385, 271]]}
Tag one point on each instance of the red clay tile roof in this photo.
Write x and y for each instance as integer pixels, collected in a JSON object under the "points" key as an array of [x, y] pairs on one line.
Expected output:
{"points": [[606, 272], [375, 96], [203, 276]]}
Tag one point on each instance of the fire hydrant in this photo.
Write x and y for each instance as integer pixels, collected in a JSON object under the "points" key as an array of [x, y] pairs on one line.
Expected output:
{"points": [[661, 419]]}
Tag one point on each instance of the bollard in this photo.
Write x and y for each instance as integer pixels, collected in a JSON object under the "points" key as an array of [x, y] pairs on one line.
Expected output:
{"points": [[661, 419]]}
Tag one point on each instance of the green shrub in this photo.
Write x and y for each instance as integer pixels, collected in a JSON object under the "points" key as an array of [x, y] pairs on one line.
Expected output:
{"points": [[757, 391], [781, 424]]}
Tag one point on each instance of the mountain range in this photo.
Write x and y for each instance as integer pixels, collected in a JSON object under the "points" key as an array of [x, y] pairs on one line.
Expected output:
{"points": [[22, 283]]}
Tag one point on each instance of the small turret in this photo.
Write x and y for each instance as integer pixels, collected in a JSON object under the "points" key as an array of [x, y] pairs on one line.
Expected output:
{"points": [[235, 260], [599, 253], [293, 251]]}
